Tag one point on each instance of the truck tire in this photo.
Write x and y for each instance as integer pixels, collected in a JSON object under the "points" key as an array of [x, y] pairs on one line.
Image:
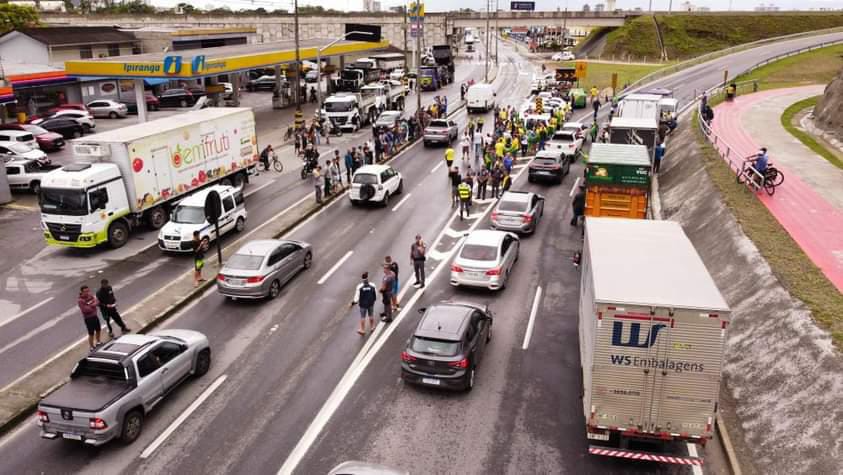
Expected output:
{"points": [[203, 363], [240, 180], [156, 217], [132, 426], [118, 234]]}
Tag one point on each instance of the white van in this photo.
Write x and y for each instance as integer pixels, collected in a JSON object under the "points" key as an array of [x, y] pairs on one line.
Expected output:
{"points": [[189, 216], [480, 97]]}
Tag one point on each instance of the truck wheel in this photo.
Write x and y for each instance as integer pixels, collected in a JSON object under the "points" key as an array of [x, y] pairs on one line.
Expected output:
{"points": [[132, 427], [35, 187], [203, 363], [118, 234], [240, 180], [156, 217]]}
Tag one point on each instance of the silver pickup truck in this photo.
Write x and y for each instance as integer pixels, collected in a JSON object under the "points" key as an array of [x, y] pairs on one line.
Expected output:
{"points": [[113, 388]]}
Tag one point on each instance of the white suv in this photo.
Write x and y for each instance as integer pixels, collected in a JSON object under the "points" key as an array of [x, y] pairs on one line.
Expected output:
{"points": [[189, 216], [375, 184]]}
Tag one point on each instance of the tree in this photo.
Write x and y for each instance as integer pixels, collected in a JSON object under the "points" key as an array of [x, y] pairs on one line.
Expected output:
{"points": [[186, 8], [15, 16]]}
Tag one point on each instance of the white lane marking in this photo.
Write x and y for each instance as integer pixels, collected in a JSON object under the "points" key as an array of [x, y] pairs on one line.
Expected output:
{"points": [[453, 233], [335, 267], [354, 372], [405, 198], [182, 417], [692, 451], [270, 220], [255, 190], [531, 323], [437, 167], [15, 317], [574, 188], [436, 255]]}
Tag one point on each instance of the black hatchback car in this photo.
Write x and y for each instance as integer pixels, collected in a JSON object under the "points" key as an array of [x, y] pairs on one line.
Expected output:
{"points": [[68, 128], [447, 345], [177, 98]]}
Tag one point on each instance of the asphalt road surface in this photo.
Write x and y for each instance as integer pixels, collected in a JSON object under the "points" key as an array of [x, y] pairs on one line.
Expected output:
{"points": [[298, 389]]}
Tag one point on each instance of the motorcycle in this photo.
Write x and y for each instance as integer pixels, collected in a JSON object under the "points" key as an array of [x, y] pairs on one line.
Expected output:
{"points": [[308, 165]]}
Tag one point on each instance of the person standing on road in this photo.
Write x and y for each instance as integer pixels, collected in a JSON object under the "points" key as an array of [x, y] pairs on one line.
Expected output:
{"points": [[327, 178], [393, 266], [496, 177], [593, 131], [465, 145], [464, 191], [578, 206], [482, 180], [88, 305], [387, 284], [200, 246], [349, 165], [657, 159], [365, 296], [108, 308], [478, 147], [469, 180], [506, 182], [418, 254], [317, 183], [596, 105], [456, 179], [449, 157], [480, 124]]}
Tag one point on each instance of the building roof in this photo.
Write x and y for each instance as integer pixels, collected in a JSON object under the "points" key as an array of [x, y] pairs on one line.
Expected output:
{"points": [[76, 35]]}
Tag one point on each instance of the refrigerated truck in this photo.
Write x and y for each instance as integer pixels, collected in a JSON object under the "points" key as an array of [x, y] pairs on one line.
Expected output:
{"points": [[652, 330], [132, 176]]}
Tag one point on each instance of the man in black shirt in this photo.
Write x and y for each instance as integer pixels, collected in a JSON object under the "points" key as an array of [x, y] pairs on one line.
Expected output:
{"points": [[108, 308]]}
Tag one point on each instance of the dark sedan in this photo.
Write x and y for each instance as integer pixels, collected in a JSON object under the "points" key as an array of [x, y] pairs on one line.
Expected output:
{"points": [[152, 104], [47, 141], [66, 127], [263, 83], [447, 345], [176, 98]]}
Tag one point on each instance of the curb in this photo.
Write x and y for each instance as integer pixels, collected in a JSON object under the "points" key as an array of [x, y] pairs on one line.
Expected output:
{"points": [[26, 410], [726, 443]]}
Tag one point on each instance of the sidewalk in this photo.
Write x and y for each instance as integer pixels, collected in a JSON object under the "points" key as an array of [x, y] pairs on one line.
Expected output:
{"points": [[809, 204]]}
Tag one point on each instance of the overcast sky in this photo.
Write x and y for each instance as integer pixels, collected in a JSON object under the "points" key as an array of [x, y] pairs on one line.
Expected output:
{"points": [[441, 5]]}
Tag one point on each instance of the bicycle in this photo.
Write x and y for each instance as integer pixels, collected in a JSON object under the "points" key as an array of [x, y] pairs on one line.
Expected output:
{"points": [[273, 162], [771, 179]]}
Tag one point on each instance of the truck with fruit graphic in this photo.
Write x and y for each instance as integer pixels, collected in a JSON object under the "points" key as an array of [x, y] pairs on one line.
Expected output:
{"points": [[133, 176]]}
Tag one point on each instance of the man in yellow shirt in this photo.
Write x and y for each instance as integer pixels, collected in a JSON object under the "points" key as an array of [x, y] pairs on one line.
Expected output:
{"points": [[449, 158], [499, 148], [594, 93]]}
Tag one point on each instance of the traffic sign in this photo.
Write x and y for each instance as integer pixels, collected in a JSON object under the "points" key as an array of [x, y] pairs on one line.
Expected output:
{"points": [[581, 68], [416, 29], [523, 6]]}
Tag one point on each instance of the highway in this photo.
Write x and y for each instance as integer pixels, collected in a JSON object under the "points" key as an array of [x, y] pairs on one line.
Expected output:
{"points": [[293, 388]]}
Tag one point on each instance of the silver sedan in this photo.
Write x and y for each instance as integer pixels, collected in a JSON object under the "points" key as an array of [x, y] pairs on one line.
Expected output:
{"points": [[260, 268], [485, 259]]}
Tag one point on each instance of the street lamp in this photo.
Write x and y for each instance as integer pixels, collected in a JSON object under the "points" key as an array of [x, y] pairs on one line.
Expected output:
{"points": [[319, 64]]}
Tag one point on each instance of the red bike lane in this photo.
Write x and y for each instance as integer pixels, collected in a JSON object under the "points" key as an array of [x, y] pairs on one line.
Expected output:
{"points": [[814, 223]]}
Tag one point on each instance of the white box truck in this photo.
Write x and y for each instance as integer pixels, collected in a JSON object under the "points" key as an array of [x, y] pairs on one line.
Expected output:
{"points": [[133, 175], [652, 329]]}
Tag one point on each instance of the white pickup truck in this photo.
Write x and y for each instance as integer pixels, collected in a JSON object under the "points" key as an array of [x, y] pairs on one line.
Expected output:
{"points": [[27, 174]]}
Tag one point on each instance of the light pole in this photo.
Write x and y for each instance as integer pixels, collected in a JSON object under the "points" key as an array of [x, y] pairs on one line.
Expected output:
{"points": [[488, 38], [297, 92], [497, 29], [319, 65]]}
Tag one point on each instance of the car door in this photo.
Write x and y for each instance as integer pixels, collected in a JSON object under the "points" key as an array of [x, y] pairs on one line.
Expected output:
{"points": [[508, 253], [14, 175], [175, 363], [452, 129], [97, 108], [471, 343], [479, 325], [290, 261], [150, 384], [228, 213]]}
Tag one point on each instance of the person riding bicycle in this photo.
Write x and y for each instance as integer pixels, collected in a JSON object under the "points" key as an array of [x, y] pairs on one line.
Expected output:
{"points": [[759, 161], [265, 156]]}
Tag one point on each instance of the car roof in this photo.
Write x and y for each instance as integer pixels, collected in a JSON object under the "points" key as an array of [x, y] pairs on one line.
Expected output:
{"points": [[373, 169], [520, 196], [548, 154], [487, 237], [15, 132], [198, 198], [444, 322], [260, 247]]}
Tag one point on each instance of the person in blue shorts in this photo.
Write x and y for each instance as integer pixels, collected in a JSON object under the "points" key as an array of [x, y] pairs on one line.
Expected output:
{"points": [[393, 266]]}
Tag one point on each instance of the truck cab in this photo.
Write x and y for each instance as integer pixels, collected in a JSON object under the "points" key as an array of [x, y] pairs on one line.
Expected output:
{"points": [[80, 202], [189, 216], [343, 110], [429, 79]]}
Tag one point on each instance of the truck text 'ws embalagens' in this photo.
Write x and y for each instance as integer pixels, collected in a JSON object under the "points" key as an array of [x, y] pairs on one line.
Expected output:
{"points": [[133, 175]]}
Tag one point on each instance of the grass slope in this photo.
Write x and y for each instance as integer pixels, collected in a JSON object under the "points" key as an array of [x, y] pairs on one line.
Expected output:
{"points": [[813, 67], [600, 74], [792, 267], [804, 137], [687, 36]]}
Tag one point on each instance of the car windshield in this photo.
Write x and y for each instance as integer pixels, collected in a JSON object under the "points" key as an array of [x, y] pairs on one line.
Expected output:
{"points": [[189, 215], [244, 262], [65, 202], [479, 252], [35, 130], [338, 106], [365, 179], [439, 124], [544, 161], [563, 137], [430, 346], [173, 92], [18, 147], [513, 205], [350, 75], [428, 73]]}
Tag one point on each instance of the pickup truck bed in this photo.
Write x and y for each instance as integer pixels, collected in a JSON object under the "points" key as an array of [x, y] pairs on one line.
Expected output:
{"points": [[87, 394]]}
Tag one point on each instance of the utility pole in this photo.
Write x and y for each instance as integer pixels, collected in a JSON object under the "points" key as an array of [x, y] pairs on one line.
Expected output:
{"points": [[488, 27], [419, 32], [297, 92], [497, 30], [406, 62]]}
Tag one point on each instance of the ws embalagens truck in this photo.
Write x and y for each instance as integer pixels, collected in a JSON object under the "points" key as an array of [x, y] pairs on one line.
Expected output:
{"points": [[132, 176]]}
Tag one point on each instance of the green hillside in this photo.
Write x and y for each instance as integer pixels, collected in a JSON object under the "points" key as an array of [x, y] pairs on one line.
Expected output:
{"points": [[687, 36]]}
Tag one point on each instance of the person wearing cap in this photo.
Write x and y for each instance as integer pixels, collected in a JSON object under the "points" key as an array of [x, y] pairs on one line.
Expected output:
{"points": [[365, 296]]}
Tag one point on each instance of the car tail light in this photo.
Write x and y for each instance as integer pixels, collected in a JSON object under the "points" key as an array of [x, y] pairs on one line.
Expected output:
{"points": [[221, 277], [43, 417], [255, 280], [463, 363], [495, 271], [494, 215], [526, 218], [455, 268], [407, 358], [97, 424]]}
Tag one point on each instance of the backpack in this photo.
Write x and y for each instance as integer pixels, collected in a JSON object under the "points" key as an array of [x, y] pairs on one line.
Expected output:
{"points": [[368, 295]]}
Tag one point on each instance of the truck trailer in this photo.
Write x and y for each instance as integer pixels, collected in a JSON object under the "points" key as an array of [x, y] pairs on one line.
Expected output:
{"points": [[635, 131], [652, 330], [132, 176]]}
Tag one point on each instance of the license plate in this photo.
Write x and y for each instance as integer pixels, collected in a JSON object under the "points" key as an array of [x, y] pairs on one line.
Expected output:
{"points": [[474, 275], [71, 436], [432, 381], [603, 437], [544, 172], [64, 237], [171, 245], [237, 282]]}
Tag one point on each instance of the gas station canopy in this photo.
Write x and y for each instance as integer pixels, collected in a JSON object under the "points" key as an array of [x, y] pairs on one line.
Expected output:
{"points": [[199, 63]]}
